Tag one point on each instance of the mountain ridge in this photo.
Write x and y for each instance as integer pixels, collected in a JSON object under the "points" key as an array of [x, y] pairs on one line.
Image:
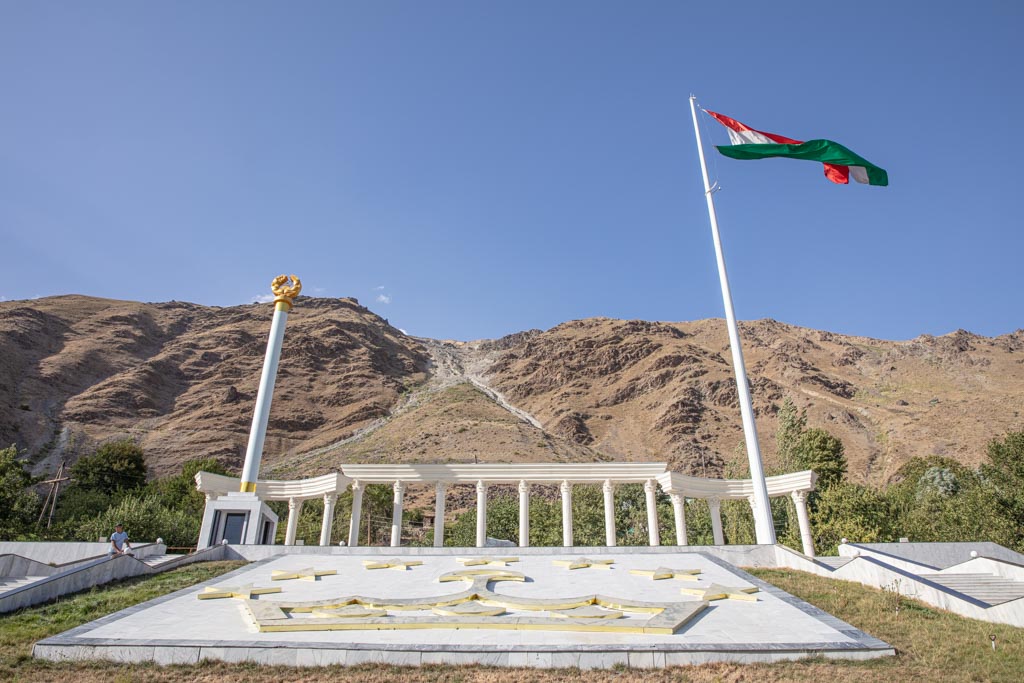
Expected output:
{"points": [[181, 379]]}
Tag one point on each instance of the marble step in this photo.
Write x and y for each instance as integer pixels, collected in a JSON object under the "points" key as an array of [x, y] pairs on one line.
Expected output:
{"points": [[8, 583], [834, 562], [988, 588], [160, 559]]}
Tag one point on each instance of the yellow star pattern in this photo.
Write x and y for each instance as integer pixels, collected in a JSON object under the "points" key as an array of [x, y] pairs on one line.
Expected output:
{"points": [[584, 563], [719, 592], [245, 592], [486, 561], [394, 563], [307, 574], [666, 573]]}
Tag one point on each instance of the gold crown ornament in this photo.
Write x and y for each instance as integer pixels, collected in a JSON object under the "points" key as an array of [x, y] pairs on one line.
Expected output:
{"points": [[285, 293]]}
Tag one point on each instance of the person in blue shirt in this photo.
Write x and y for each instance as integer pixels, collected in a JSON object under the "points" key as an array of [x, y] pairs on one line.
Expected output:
{"points": [[119, 544]]}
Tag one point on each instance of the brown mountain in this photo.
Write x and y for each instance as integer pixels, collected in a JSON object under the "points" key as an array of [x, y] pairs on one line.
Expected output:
{"points": [[182, 378]]}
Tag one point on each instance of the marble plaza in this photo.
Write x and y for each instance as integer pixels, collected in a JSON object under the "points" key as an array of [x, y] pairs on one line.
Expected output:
{"points": [[545, 607]]}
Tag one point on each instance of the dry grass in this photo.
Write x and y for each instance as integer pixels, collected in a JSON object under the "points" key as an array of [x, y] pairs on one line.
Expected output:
{"points": [[931, 645]]}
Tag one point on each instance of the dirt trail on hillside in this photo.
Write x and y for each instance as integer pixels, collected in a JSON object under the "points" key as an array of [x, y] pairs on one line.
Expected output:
{"points": [[451, 364]]}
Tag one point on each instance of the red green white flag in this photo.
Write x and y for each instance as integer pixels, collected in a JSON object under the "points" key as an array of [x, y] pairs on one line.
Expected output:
{"points": [[840, 163]]}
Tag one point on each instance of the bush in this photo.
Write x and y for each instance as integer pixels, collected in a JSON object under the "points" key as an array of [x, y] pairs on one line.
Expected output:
{"points": [[179, 492], [822, 452], [145, 520], [859, 513], [19, 504], [115, 466]]}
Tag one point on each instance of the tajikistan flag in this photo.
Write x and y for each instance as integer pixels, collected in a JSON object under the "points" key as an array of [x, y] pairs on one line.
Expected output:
{"points": [[840, 163]]}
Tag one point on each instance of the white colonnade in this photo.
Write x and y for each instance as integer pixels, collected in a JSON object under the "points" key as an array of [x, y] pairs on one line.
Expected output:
{"points": [[652, 476]]}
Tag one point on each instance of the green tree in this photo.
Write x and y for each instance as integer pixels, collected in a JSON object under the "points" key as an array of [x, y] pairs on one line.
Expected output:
{"points": [[115, 467], [818, 450], [179, 492], [503, 522], [588, 518], [19, 504], [145, 520], [99, 481], [1005, 471], [791, 425], [846, 510]]}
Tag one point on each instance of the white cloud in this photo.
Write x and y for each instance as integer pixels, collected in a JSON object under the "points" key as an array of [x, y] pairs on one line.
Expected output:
{"points": [[262, 299], [383, 298], [379, 287], [318, 290]]}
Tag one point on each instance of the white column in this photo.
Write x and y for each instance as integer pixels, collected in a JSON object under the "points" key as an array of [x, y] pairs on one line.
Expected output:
{"points": [[566, 514], [396, 515], [653, 533], [294, 509], [439, 501], [206, 527], [609, 512], [325, 529], [481, 514], [715, 506], [357, 509], [806, 538], [679, 512], [258, 431], [524, 514]]}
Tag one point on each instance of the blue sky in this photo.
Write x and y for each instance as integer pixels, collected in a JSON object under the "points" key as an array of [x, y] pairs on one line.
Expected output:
{"points": [[473, 169]]}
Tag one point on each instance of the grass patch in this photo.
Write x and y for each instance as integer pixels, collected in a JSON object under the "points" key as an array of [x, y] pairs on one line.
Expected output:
{"points": [[19, 630], [931, 645]]}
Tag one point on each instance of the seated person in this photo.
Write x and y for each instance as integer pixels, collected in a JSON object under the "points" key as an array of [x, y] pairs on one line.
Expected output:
{"points": [[119, 544]]}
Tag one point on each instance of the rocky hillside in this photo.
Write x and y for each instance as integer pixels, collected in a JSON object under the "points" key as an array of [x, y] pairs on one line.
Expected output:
{"points": [[646, 390], [182, 378]]}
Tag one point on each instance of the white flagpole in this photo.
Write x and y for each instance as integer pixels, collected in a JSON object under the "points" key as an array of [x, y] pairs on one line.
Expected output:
{"points": [[765, 528]]}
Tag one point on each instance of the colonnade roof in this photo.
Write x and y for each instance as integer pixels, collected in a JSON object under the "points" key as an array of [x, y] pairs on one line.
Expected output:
{"points": [[699, 487], [511, 473], [270, 489]]}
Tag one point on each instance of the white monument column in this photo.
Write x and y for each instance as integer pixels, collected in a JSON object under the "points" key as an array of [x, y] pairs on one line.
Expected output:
{"points": [[806, 538], [715, 506], [357, 508], [285, 295], [679, 512], [481, 514], [396, 515], [325, 530], [609, 512], [524, 514], [653, 533], [566, 514], [294, 509], [439, 501]]}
